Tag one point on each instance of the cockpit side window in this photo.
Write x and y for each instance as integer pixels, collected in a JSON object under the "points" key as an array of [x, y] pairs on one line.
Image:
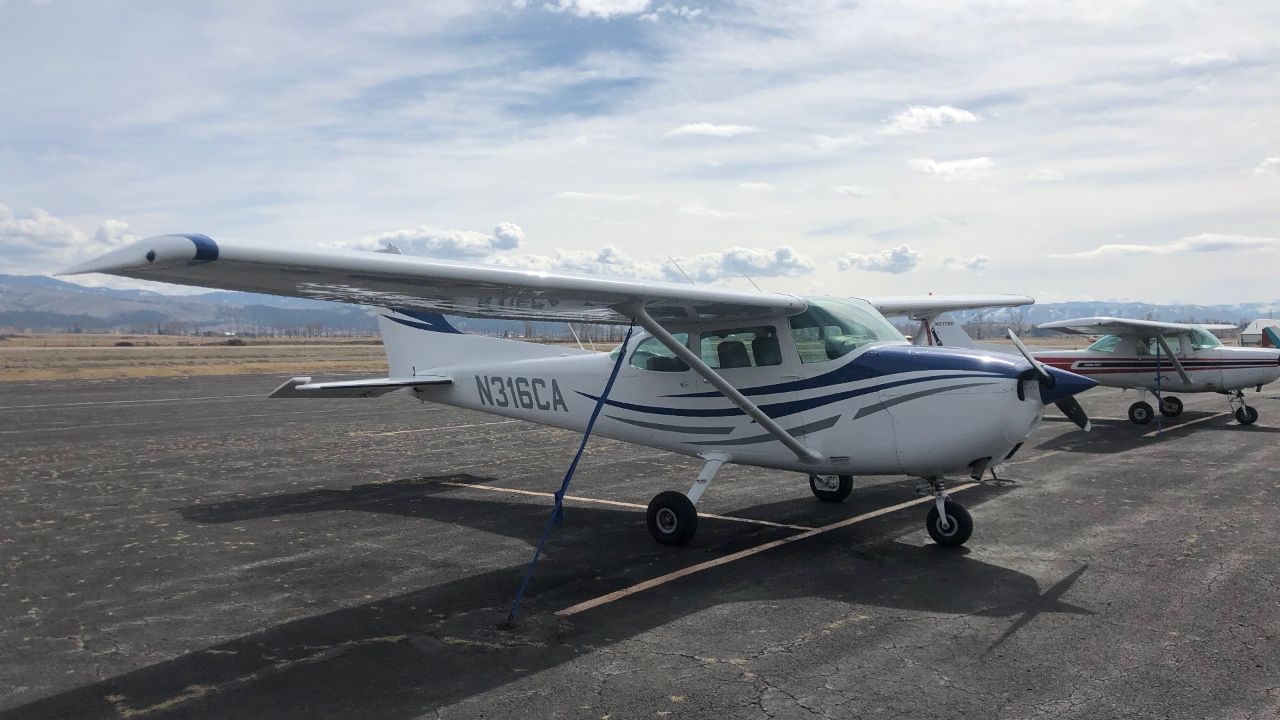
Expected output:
{"points": [[741, 347]]}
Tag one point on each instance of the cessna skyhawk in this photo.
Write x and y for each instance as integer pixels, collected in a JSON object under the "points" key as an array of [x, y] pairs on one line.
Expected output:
{"points": [[1164, 357], [825, 387]]}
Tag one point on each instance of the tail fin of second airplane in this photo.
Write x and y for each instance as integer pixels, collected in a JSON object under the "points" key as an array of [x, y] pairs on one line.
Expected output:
{"points": [[1273, 335]]}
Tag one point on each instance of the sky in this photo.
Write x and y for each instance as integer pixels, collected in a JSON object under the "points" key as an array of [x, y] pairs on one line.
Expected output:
{"points": [[1090, 150]]}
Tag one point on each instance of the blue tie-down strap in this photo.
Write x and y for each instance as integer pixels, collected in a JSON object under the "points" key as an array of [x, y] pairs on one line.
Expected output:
{"points": [[557, 512]]}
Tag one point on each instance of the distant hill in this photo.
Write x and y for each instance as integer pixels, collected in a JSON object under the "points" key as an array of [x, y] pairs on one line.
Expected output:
{"points": [[39, 303]]}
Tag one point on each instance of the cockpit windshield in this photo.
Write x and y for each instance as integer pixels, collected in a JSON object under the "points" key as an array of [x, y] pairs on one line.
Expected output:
{"points": [[1106, 343], [833, 327], [1204, 340]]}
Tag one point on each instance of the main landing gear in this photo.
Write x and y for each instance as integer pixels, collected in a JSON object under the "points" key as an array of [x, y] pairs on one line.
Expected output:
{"points": [[672, 516], [831, 488], [1245, 413], [1141, 412]]}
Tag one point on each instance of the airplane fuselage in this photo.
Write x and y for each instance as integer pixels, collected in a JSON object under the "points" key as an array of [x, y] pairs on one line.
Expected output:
{"points": [[886, 408], [1220, 369]]}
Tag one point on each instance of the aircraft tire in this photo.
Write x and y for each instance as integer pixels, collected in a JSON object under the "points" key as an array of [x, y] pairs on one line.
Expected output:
{"points": [[959, 525], [1246, 415], [1171, 407], [1140, 413], [832, 496], [672, 518]]}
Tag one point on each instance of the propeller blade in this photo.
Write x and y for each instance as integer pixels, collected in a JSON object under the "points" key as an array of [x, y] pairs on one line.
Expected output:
{"points": [[1071, 408], [1045, 377]]}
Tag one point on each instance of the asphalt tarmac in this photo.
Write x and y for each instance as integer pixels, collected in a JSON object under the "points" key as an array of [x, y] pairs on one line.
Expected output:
{"points": [[189, 548]]}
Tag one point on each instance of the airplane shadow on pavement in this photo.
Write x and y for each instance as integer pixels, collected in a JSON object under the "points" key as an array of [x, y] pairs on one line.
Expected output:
{"points": [[401, 656]]}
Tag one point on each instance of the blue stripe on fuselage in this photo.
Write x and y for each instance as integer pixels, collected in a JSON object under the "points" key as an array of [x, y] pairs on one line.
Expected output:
{"points": [[891, 360]]}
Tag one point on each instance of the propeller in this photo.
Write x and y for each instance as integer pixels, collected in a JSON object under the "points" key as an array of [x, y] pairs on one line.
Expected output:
{"points": [[1067, 403]]}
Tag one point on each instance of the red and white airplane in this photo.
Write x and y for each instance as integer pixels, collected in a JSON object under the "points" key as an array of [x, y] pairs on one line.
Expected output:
{"points": [[1163, 357]]}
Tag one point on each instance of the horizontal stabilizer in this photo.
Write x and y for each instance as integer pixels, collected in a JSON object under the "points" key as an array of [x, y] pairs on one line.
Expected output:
{"points": [[302, 387]]}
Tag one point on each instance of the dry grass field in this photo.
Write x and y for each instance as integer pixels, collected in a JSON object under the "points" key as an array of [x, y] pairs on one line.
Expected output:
{"points": [[63, 356]]}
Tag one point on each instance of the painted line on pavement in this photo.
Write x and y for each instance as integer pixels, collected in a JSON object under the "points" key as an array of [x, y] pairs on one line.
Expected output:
{"points": [[1179, 426], [616, 503], [732, 557]]}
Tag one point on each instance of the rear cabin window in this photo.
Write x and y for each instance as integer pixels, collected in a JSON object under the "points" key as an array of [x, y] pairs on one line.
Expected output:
{"points": [[651, 354], [741, 347]]}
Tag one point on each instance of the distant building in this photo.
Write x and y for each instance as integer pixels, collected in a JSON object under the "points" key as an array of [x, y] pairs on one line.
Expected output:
{"points": [[1252, 335]]}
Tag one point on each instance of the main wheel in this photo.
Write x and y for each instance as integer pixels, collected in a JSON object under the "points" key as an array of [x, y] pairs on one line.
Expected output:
{"points": [[831, 488], [1170, 406], [672, 518], [1246, 415], [1140, 413], [958, 528]]}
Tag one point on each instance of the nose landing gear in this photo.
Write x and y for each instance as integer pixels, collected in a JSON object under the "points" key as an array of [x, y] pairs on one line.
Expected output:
{"points": [[948, 523], [1245, 414]]}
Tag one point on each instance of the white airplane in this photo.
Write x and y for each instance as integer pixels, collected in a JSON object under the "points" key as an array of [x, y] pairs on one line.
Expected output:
{"points": [[820, 386], [1163, 357]]}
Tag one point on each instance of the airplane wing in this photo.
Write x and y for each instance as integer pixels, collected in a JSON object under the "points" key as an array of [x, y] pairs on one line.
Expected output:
{"points": [[417, 283], [1123, 326], [923, 306]]}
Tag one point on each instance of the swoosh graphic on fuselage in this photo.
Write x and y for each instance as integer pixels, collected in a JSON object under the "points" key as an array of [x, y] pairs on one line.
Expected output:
{"points": [[782, 409]]}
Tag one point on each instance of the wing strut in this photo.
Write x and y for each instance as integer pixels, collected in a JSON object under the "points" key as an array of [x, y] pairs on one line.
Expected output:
{"points": [[1177, 364], [638, 313]]}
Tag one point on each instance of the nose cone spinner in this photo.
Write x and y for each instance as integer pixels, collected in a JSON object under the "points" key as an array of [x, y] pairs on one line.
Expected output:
{"points": [[1065, 384]]}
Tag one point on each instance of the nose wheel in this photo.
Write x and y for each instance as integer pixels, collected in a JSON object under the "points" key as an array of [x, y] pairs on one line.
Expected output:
{"points": [[1245, 414], [948, 523]]}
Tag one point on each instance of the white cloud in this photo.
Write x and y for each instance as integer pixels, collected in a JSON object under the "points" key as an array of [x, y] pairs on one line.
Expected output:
{"points": [[856, 191], [607, 261], [708, 267], [1200, 58], [683, 12], [448, 244], [1204, 243], [756, 186], [894, 260], [605, 9], [42, 242], [829, 143], [923, 118], [697, 210], [571, 195], [712, 130], [1045, 175], [1268, 166], [975, 262], [732, 262], [966, 169]]}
